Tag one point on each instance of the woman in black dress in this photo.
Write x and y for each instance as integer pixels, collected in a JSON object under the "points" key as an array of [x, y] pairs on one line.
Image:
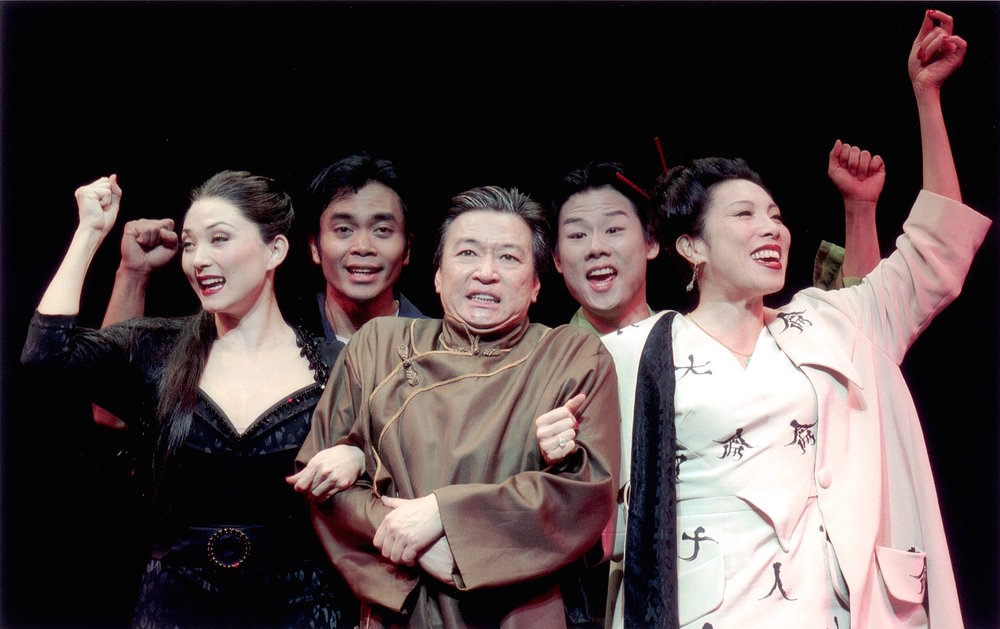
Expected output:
{"points": [[222, 400]]}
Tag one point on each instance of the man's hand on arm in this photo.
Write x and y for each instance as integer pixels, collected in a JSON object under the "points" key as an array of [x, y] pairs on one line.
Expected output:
{"points": [[410, 528], [329, 471]]}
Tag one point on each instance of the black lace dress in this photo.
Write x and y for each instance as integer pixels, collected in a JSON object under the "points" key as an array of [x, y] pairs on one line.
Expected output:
{"points": [[232, 542]]}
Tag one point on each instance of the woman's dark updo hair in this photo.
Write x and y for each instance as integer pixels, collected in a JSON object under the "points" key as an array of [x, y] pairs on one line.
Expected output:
{"points": [[681, 198], [258, 198]]}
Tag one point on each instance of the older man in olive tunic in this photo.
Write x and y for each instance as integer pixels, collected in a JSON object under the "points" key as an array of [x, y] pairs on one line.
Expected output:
{"points": [[458, 520]]}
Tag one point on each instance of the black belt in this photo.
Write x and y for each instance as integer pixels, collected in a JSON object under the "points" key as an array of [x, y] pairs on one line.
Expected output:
{"points": [[235, 548]]}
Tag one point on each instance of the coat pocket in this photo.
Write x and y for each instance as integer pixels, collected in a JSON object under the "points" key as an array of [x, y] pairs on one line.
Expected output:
{"points": [[904, 574]]}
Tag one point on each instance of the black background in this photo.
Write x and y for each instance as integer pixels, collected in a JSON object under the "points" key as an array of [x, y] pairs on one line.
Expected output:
{"points": [[458, 95]]}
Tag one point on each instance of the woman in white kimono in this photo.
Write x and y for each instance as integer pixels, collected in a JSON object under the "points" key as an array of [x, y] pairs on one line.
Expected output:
{"points": [[778, 473]]}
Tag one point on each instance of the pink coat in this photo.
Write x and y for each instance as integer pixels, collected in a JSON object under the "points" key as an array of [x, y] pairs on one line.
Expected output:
{"points": [[876, 489]]}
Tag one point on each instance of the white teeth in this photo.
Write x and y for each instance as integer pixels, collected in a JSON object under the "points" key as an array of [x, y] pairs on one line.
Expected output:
{"points": [[212, 282], [362, 271], [765, 254], [485, 298], [601, 272]]}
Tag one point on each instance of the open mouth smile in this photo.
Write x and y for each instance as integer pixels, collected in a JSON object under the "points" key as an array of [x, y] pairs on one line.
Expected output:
{"points": [[602, 278], [210, 285], [769, 256]]}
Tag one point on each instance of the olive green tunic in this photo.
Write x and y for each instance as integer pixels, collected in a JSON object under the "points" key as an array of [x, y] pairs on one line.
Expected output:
{"points": [[439, 410]]}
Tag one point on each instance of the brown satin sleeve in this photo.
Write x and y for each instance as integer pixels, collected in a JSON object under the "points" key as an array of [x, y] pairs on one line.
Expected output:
{"points": [[346, 523], [336, 415], [539, 520]]}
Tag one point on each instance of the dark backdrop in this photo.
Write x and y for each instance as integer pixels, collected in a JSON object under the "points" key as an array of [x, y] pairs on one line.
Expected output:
{"points": [[459, 95]]}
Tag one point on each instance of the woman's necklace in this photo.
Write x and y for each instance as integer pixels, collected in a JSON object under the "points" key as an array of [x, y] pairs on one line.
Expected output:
{"points": [[746, 357]]}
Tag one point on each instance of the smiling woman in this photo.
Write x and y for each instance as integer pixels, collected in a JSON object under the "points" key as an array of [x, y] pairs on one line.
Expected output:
{"points": [[803, 491], [738, 245], [222, 400], [224, 257]]}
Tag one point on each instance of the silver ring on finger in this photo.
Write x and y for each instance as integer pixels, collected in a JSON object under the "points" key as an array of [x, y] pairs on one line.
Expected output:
{"points": [[562, 442]]}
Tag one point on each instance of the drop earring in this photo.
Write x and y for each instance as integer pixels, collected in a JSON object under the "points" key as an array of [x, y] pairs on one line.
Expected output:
{"points": [[694, 278]]}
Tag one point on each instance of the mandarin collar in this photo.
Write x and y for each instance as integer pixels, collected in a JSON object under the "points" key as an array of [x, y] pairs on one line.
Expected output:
{"points": [[456, 336]]}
